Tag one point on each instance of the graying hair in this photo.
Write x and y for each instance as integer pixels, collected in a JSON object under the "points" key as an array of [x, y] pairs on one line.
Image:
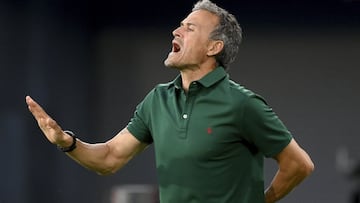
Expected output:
{"points": [[228, 30]]}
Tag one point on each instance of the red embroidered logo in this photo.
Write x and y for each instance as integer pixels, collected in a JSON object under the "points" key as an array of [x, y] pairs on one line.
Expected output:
{"points": [[209, 130]]}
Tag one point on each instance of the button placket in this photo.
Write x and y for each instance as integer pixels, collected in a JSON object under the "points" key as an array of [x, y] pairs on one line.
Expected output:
{"points": [[188, 105], [190, 100]]}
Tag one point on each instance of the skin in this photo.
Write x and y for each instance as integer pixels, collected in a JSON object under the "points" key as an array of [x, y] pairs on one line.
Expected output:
{"points": [[194, 59], [196, 56]]}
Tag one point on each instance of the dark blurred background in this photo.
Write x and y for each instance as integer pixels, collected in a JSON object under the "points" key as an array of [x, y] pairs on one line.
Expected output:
{"points": [[89, 63]]}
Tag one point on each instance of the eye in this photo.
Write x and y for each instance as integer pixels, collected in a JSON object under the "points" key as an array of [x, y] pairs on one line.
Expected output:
{"points": [[190, 28]]}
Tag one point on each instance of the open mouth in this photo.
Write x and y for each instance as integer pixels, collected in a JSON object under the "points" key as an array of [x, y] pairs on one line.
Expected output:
{"points": [[176, 47]]}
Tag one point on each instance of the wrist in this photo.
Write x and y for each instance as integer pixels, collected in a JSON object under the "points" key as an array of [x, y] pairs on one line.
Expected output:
{"points": [[69, 143]]}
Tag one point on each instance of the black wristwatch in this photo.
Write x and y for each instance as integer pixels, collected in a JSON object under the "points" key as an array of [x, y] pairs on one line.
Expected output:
{"points": [[73, 144]]}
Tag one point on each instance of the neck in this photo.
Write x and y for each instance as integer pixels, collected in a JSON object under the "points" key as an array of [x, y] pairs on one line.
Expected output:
{"points": [[190, 75]]}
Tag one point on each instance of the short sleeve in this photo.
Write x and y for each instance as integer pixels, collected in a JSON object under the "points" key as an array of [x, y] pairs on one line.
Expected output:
{"points": [[139, 123], [263, 128]]}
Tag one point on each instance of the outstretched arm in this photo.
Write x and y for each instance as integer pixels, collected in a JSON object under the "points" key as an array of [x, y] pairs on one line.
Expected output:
{"points": [[103, 158], [294, 166]]}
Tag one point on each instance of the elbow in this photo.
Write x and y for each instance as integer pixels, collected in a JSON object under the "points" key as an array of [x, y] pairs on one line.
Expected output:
{"points": [[311, 168], [307, 168], [111, 168], [106, 172]]}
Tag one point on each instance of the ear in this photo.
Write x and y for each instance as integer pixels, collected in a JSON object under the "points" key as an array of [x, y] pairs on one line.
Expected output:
{"points": [[215, 47]]}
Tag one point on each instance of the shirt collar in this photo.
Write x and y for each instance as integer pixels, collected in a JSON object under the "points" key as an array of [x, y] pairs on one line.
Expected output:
{"points": [[213, 77], [208, 80]]}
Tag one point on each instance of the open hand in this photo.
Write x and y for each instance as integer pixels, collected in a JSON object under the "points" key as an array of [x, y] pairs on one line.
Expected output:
{"points": [[49, 127]]}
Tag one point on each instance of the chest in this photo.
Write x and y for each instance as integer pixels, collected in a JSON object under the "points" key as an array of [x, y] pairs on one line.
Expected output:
{"points": [[200, 127]]}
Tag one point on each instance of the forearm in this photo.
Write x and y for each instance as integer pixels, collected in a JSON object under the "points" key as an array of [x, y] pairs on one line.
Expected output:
{"points": [[282, 184], [95, 157], [106, 158]]}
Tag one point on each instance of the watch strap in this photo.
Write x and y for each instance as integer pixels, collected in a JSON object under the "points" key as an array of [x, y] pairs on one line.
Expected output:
{"points": [[73, 144]]}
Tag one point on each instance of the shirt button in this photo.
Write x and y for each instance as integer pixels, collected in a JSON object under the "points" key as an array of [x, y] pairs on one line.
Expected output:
{"points": [[185, 116]]}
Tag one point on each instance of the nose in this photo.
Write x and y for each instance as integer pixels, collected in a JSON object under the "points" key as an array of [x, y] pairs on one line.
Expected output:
{"points": [[176, 32]]}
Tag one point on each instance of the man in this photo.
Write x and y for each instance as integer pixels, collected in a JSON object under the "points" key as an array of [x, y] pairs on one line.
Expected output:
{"points": [[210, 134]]}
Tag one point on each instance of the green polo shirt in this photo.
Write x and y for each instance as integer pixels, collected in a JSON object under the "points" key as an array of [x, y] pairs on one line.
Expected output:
{"points": [[210, 142]]}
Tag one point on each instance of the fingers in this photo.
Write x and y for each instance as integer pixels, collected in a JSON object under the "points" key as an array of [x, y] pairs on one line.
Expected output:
{"points": [[43, 119], [48, 125], [37, 111]]}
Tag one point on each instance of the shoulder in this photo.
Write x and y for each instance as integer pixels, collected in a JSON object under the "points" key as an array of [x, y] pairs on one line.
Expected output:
{"points": [[242, 93], [246, 100], [163, 86], [158, 91], [241, 90]]}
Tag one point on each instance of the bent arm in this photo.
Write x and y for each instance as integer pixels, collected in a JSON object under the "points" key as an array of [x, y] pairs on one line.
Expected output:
{"points": [[294, 166], [103, 158]]}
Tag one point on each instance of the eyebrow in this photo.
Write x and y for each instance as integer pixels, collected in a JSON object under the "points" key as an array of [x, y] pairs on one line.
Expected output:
{"points": [[187, 24]]}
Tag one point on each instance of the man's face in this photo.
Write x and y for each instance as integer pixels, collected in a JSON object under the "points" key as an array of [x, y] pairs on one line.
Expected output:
{"points": [[191, 40]]}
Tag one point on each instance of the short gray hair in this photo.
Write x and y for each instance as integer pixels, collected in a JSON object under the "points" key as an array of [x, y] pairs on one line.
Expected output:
{"points": [[228, 30]]}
